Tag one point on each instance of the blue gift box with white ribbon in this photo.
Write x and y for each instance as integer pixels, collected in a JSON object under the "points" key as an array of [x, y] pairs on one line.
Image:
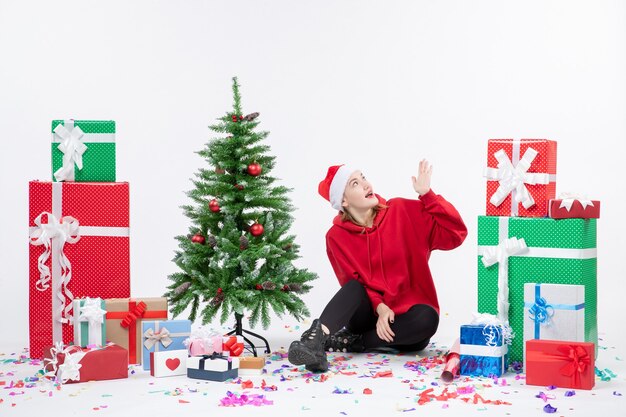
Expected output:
{"points": [[161, 335], [483, 351], [554, 312]]}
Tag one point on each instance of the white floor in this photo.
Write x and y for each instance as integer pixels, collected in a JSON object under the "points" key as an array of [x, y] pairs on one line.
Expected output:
{"points": [[339, 392]]}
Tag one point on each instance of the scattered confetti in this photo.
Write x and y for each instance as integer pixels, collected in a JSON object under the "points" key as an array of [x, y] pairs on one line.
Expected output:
{"points": [[517, 366], [617, 394], [605, 375], [570, 393], [342, 391], [367, 391], [234, 400], [549, 409]]}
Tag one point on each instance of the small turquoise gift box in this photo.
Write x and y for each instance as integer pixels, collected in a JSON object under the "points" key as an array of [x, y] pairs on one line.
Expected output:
{"points": [[89, 322], [554, 312], [484, 349], [162, 335]]}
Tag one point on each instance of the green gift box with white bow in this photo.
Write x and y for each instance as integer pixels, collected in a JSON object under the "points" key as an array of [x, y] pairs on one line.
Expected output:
{"points": [[83, 150], [89, 322], [513, 251]]}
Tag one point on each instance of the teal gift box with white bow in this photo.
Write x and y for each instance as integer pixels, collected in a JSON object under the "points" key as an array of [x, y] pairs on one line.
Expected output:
{"points": [[83, 150], [163, 335], [554, 312], [89, 322]]}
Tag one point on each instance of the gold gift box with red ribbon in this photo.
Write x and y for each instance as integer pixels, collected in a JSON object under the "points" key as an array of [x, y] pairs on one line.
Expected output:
{"points": [[124, 317]]}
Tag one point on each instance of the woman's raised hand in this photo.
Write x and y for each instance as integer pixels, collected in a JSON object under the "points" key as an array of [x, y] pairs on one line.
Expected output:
{"points": [[421, 184]]}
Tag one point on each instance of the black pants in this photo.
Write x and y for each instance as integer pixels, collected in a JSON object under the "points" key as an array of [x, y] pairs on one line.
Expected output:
{"points": [[351, 307]]}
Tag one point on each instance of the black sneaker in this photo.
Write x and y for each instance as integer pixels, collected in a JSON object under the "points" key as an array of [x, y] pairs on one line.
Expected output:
{"points": [[309, 350], [344, 341]]}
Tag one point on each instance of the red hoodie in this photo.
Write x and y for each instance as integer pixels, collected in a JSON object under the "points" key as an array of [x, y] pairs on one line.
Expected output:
{"points": [[391, 258]]}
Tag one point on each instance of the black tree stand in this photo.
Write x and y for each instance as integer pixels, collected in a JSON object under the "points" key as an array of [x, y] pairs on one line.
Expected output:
{"points": [[239, 331]]}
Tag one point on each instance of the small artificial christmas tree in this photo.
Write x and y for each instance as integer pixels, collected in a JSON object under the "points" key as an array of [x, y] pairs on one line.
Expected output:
{"points": [[238, 256]]}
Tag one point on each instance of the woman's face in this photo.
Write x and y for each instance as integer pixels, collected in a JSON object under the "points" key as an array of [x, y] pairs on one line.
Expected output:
{"points": [[359, 194]]}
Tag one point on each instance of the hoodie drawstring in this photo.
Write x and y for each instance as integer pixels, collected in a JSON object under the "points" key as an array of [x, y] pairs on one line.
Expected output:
{"points": [[380, 255]]}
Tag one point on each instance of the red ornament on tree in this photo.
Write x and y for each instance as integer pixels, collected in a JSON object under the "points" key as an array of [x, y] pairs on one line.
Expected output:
{"points": [[235, 118], [214, 206], [239, 187], [198, 238], [254, 169], [258, 287], [285, 288], [256, 229]]}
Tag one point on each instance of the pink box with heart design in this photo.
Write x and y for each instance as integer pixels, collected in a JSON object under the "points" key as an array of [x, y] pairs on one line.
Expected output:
{"points": [[168, 363]]}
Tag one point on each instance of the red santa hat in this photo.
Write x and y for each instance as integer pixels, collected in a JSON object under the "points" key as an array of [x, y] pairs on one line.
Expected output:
{"points": [[333, 186]]}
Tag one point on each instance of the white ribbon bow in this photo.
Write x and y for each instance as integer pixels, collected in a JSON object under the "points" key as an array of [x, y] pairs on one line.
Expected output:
{"points": [[70, 368], [73, 149], [567, 200], [493, 326], [153, 338], [500, 254], [92, 311], [67, 230], [514, 178]]}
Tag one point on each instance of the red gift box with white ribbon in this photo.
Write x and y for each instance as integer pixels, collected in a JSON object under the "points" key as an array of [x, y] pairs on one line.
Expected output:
{"points": [[574, 206], [75, 364], [79, 247], [560, 363], [521, 177]]}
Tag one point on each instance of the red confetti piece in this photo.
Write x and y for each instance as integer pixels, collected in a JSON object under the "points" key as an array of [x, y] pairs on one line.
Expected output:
{"points": [[247, 384], [383, 374], [367, 391], [183, 402]]}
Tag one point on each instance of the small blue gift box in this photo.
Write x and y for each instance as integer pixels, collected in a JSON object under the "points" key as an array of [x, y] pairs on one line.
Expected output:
{"points": [[161, 335], [215, 367], [482, 351]]}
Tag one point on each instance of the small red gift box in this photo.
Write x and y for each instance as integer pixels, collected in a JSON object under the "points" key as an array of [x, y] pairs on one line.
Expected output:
{"points": [[574, 207], [521, 177], [76, 364], [78, 248], [560, 363]]}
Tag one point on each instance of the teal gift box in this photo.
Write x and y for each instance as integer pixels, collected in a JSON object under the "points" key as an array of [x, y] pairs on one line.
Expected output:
{"points": [[553, 252], [83, 150], [163, 335], [89, 322]]}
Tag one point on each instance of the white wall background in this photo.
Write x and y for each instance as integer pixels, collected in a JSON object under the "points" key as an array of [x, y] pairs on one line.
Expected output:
{"points": [[378, 85]]}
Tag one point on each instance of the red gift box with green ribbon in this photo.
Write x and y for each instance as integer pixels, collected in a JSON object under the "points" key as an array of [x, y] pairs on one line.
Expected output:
{"points": [[79, 247], [124, 321], [560, 363]]}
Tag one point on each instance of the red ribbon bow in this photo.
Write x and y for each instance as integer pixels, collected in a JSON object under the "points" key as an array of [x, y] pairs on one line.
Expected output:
{"points": [[577, 360], [133, 315], [232, 346]]}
